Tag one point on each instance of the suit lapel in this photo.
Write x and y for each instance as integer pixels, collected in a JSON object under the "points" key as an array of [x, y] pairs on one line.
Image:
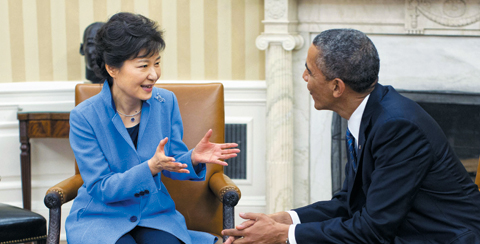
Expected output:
{"points": [[116, 120], [144, 120], [356, 195]]}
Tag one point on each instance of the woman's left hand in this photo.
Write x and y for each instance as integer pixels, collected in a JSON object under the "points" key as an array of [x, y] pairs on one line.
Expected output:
{"points": [[208, 152]]}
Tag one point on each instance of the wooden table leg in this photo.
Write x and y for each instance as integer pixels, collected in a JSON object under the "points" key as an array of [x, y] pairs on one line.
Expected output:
{"points": [[25, 165]]}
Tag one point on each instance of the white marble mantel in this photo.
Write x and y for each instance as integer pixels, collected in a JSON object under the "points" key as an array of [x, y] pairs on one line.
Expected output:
{"points": [[423, 45]]}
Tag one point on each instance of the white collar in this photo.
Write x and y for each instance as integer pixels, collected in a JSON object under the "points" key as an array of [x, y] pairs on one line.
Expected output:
{"points": [[356, 119]]}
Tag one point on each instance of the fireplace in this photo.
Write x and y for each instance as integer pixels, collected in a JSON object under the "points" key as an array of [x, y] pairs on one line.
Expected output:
{"points": [[457, 113]]}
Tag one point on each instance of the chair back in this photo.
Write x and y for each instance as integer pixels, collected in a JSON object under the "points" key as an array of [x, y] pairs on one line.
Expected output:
{"points": [[202, 108]]}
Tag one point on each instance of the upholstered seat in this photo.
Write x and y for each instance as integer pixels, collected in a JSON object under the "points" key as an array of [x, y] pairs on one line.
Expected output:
{"points": [[206, 205], [18, 225]]}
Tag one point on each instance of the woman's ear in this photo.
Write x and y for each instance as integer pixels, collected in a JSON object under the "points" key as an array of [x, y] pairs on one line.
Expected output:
{"points": [[112, 71], [339, 87]]}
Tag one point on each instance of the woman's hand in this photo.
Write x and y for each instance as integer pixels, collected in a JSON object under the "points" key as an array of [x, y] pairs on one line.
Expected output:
{"points": [[208, 152], [161, 162]]}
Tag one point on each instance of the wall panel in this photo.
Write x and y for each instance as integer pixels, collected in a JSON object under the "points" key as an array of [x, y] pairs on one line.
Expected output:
{"points": [[206, 39]]}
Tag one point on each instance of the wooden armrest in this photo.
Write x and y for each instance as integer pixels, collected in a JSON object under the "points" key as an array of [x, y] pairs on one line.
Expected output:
{"points": [[224, 188], [65, 190]]}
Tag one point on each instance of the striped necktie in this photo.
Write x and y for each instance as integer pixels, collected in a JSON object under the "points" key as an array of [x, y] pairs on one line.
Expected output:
{"points": [[351, 149]]}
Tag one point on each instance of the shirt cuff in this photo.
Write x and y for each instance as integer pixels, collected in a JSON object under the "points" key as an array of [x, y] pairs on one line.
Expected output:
{"points": [[294, 216], [291, 234]]}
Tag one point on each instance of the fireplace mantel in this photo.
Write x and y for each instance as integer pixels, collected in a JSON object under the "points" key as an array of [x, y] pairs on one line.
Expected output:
{"points": [[424, 45]]}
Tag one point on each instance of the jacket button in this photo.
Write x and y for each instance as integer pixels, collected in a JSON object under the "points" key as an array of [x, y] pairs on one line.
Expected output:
{"points": [[133, 218], [142, 193], [137, 195], [147, 192]]}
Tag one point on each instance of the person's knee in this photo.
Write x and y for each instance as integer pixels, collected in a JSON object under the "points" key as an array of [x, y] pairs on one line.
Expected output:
{"points": [[145, 235]]}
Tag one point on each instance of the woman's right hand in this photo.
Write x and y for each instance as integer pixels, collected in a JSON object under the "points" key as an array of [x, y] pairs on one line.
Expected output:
{"points": [[161, 162]]}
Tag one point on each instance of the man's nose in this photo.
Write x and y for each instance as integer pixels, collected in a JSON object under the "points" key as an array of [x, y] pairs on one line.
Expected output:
{"points": [[305, 76]]}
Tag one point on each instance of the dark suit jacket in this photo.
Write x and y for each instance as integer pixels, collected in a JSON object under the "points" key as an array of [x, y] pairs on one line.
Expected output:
{"points": [[410, 187]]}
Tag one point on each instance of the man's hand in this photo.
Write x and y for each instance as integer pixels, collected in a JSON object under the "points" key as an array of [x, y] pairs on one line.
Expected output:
{"points": [[259, 229], [282, 218]]}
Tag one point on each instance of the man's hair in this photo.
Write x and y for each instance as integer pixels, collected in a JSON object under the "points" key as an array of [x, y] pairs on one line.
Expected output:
{"points": [[125, 36], [349, 55]]}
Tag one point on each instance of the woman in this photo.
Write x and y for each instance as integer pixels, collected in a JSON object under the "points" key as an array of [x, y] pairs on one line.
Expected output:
{"points": [[124, 137]]}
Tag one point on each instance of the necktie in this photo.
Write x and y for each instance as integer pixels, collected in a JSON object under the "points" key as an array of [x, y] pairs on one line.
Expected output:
{"points": [[351, 149]]}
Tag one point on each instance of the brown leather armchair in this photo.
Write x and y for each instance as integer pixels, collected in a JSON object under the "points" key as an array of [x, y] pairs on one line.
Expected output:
{"points": [[206, 205]]}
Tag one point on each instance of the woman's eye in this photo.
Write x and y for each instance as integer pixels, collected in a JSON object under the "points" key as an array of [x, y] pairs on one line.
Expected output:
{"points": [[157, 63]]}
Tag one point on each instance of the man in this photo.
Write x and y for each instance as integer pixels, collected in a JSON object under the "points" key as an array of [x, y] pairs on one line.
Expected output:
{"points": [[87, 49], [404, 183]]}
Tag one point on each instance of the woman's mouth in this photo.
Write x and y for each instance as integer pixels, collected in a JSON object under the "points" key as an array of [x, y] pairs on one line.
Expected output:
{"points": [[147, 88]]}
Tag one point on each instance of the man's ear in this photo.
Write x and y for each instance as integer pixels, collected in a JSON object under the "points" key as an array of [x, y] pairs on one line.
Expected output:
{"points": [[338, 87], [81, 49], [112, 71]]}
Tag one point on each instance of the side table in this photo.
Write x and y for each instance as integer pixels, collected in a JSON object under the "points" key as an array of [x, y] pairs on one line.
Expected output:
{"points": [[37, 125]]}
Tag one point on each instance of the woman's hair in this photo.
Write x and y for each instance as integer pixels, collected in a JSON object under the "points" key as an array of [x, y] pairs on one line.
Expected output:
{"points": [[349, 55], [125, 36]]}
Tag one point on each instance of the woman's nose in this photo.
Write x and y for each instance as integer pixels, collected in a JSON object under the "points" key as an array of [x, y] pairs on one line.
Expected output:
{"points": [[152, 74]]}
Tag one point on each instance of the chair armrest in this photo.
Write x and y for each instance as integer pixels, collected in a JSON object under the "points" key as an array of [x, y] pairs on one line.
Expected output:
{"points": [[228, 193], [64, 191], [223, 187], [55, 197]]}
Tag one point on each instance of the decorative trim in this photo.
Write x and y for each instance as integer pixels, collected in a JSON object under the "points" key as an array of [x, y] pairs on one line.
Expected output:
{"points": [[452, 14], [275, 8], [44, 237], [448, 21], [289, 42], [226, 189]]}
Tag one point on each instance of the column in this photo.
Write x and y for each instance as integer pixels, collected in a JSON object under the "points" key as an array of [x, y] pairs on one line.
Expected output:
{"points": [[278, 40]]}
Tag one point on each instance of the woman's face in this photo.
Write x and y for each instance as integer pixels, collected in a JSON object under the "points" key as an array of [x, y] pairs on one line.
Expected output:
{"points": [[135, 79]]}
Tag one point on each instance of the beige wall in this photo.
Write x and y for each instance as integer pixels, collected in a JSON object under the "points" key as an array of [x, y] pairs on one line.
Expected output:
{"points": [[205, 39]]}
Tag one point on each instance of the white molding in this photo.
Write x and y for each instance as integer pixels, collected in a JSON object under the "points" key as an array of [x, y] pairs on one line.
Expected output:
{"points": [[8, 126], [289, 42], [36, 184], [252, 201], [55, 96], [38, 87]]}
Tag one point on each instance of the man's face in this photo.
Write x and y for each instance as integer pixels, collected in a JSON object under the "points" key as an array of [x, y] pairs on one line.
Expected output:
{"points": [[88, 46], [317, 84]]}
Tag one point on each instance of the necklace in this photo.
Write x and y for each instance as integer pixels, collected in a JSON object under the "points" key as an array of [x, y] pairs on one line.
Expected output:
{"points": [[130, 115]]}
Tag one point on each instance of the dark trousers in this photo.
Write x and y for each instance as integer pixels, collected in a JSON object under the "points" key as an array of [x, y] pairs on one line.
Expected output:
{"points": [[144, 235]]}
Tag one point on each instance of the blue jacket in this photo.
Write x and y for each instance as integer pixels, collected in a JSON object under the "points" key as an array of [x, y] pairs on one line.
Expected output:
{"points": [[409, 186], [119, 191]]}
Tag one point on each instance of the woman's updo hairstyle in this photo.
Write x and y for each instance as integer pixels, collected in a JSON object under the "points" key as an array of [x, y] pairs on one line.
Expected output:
{"points": [[123, 37]]}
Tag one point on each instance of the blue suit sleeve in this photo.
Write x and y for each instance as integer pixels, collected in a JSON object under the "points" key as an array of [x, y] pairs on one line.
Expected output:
{"points": [[402, 156], [178, 149], [325, 210]]}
